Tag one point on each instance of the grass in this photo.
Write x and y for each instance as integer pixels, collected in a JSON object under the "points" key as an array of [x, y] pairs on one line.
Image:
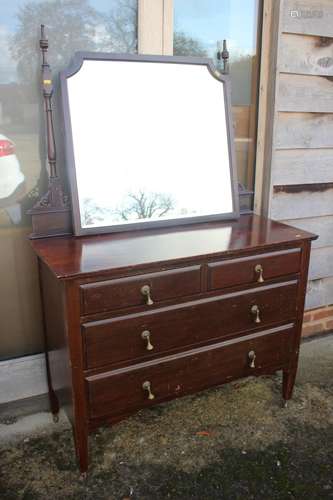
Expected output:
{"points": [[233, 442]]}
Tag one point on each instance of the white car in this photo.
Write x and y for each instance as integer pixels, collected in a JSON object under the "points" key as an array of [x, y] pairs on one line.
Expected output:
{"points": [[12, 181], [11, 176]]}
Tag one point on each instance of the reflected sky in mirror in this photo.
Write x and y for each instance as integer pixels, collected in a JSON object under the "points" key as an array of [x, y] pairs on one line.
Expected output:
{"points": [[200, 27]]}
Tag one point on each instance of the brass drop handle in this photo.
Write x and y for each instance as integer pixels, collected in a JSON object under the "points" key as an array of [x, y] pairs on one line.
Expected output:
{"points": [[259, 270], [145, 290], [145, 335], [256, 313], [146, 386], [252, 356]]}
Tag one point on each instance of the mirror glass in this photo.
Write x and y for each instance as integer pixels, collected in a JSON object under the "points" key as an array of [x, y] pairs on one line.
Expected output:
{"points": [[149, 143]]}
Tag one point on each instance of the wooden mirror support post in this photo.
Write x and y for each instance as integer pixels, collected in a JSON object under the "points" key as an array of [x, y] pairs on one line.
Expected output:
{"points": [[51, 215]]}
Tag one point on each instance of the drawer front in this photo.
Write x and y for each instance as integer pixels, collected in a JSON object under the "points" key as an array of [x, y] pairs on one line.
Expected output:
{"points": [[125, 389], [253, 269], [126, 292], [175, 327]]}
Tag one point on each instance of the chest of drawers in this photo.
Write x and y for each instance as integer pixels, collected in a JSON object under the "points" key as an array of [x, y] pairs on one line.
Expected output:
{"points": [[135, 319]]}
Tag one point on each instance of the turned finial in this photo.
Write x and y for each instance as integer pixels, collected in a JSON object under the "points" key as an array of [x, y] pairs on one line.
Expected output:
{"points": [[225, 57], [47, 87], [43, 43]]}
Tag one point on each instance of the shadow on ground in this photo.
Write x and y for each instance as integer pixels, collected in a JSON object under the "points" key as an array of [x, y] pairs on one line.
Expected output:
{"points": [[234, 442]]}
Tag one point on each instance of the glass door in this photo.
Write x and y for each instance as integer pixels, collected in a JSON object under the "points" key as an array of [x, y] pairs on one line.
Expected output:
{"points": [[199, 30], [98, 25]]}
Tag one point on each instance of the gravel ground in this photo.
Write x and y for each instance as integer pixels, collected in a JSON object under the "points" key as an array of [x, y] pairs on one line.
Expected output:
{"points": [[233, 442]]}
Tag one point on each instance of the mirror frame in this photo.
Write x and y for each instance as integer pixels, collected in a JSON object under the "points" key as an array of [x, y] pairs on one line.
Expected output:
{"points": [[72, 69]]}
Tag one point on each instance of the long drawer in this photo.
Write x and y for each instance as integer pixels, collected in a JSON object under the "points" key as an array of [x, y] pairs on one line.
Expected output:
{"points": [[141, 385], [143, 335], [145, 289]]}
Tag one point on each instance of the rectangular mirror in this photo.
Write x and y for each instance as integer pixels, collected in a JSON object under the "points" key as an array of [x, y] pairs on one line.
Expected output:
{"points": [[149, 142]]}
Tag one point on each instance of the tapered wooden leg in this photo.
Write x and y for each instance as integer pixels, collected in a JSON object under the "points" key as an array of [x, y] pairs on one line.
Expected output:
{"points": [[54, 402], [81, 447], [288, 383]]}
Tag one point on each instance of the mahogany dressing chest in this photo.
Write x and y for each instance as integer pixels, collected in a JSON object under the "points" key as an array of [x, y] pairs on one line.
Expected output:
{"points": [[137, 318], [191, 300]]}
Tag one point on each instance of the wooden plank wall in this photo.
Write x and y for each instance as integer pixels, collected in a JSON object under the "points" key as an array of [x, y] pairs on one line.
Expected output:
{"points": [[301, 191]]}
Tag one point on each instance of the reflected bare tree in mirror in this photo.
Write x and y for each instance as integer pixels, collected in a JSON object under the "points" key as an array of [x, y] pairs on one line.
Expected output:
{"points": [[92, 212], [71, 26], [139, 205], [143, 205], [119, 31], [185, 45]]}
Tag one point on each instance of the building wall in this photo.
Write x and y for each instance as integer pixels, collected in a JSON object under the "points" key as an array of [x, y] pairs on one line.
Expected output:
{"points": [[301, 181]]}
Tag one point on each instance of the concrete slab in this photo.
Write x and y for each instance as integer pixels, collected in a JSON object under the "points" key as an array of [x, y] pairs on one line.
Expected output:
{"points": [[17, 429], [316, 361]]}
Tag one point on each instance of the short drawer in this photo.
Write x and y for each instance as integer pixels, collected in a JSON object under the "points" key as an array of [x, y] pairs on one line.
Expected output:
{"points": [[253, 269], [126, 292], [127, 389], [143, 335]]}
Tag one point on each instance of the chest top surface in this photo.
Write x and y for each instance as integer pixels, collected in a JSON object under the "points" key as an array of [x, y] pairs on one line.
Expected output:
{"points": [[70, 257]]}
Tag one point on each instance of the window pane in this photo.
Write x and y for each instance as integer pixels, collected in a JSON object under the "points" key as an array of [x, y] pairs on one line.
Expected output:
{"points": [[199, 28], [71, 25]]}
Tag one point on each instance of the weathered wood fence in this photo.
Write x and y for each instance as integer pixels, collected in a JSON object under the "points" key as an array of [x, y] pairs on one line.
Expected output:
{"points": [[301, 191]]}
